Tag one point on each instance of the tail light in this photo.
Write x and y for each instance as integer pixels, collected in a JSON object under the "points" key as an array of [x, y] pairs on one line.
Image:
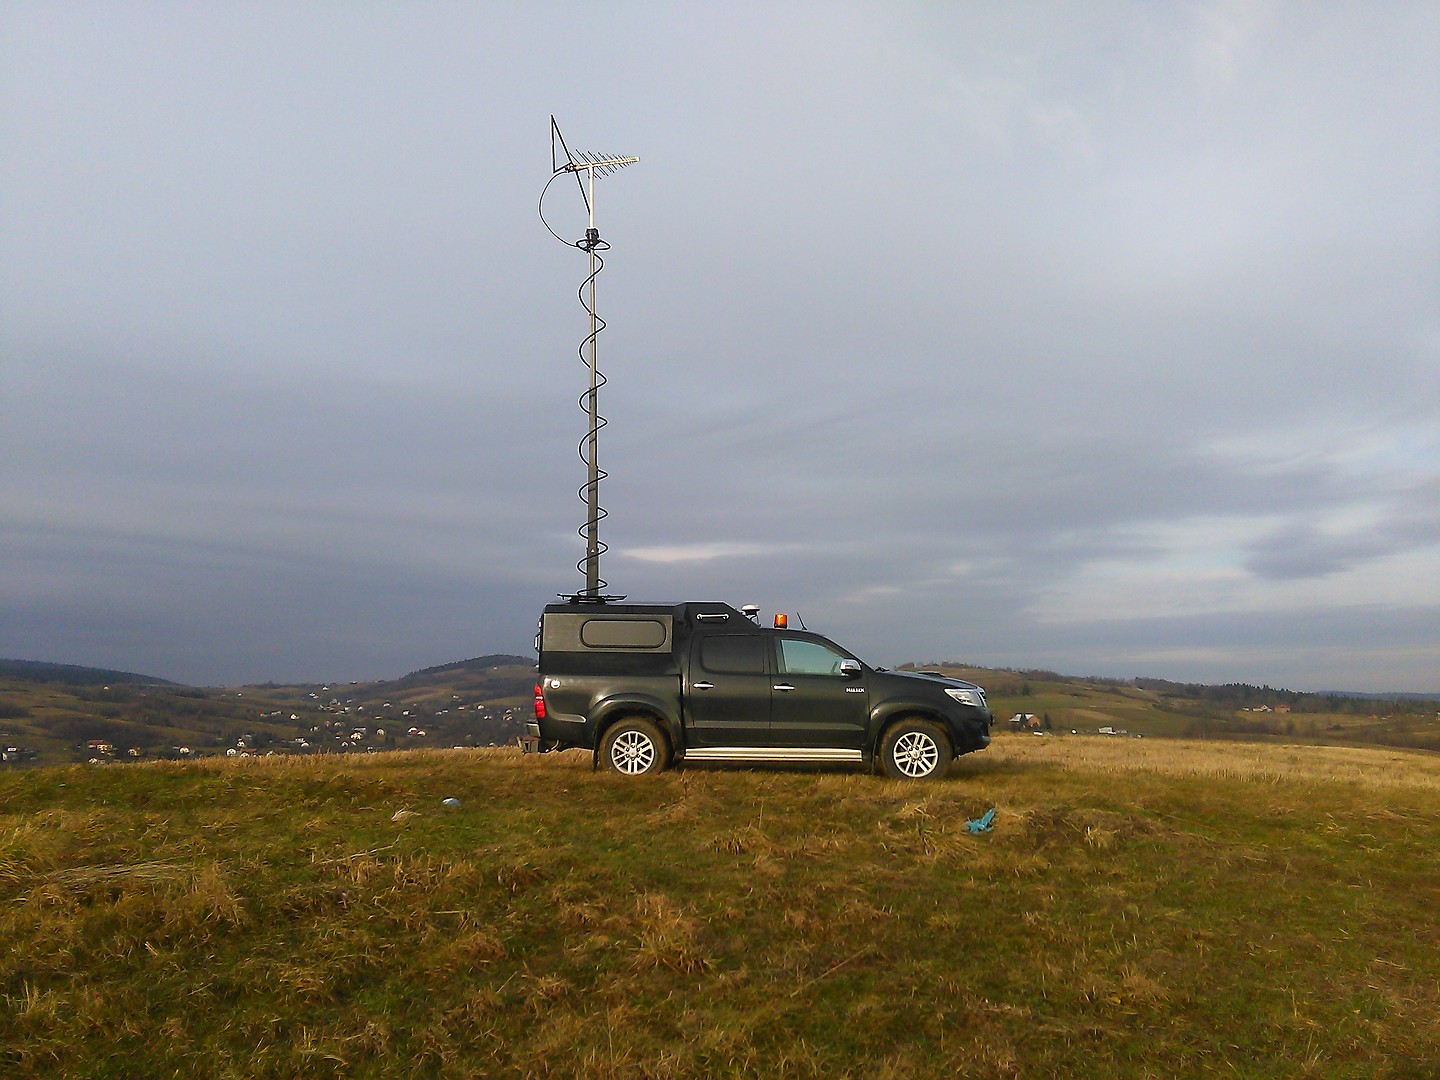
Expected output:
{"points": [[539, 702]]}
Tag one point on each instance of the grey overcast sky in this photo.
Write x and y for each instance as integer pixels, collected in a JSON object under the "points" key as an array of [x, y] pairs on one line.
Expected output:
{"points": [[1099, 337]]}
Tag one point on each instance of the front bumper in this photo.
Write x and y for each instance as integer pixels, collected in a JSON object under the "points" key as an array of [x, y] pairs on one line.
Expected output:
{"points": [[972, 731]]}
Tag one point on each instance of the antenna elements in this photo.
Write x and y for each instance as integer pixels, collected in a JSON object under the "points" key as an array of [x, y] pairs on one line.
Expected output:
{"points": [[591, 166]]}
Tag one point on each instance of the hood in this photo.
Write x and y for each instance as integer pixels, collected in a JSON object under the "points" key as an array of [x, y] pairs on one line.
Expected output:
{"points": [[936, 677]]}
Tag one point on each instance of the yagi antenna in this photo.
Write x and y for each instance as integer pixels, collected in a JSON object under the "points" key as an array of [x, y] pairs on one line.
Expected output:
{"points": [[590, 165]]}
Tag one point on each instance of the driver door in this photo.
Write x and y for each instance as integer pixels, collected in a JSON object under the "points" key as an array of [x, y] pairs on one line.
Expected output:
{"points": [[812, 704]]}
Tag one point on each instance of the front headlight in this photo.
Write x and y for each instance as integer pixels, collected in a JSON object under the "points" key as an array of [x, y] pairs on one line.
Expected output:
{"points": [[974, 698]]}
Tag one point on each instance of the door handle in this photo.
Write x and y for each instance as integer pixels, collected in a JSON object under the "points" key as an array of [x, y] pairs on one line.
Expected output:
{"points": [[782, 686], [702, 686]]}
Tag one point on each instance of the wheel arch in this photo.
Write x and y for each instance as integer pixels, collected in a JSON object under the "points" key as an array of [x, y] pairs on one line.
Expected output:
{"points": [[611, 711], [888, 715]]}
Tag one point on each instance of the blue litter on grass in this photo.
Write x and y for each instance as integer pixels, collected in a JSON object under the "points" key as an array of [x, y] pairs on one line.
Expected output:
{"points": [[984, 824]]}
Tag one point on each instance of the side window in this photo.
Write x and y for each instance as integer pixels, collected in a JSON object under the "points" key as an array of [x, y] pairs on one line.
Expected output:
{"points": [[733, 654], [799, 657], [623, 633]]}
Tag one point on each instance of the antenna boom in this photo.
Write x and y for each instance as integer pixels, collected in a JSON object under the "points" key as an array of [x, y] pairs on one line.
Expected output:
{"points": [[590, 165]]}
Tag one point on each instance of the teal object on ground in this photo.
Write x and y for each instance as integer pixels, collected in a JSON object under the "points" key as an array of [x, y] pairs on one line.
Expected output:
{"points": [[984, 824]]}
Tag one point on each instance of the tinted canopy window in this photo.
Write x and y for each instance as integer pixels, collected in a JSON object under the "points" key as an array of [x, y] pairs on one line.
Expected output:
{"points": [[799, 657], [733, 654], [623, 633]]}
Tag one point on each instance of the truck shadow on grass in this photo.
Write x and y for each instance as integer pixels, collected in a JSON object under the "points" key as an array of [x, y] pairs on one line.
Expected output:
{"points": [[968, 768], [960, 771]]}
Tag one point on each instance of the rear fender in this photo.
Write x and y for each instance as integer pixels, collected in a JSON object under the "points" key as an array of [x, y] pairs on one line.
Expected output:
{"points": [[607, 710]]}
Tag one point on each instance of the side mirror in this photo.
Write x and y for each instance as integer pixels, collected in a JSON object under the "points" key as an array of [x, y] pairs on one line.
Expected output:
{"points": [[850, 669]]}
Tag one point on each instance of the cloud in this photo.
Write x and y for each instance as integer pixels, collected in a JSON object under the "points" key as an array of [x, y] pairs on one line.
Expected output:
{"points": [[1226, 40], [1306, 549], [703, 552]]}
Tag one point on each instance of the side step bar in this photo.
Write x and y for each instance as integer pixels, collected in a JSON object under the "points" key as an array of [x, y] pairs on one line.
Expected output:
{"points": [[771, 753]]}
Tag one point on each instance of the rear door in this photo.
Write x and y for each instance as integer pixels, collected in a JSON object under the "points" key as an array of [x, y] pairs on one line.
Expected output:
{"points": [[727, 693], [813, 704]]}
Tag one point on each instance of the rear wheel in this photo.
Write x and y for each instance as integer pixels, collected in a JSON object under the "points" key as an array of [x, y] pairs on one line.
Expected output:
{"points": [[634, 746], [915, 750]]}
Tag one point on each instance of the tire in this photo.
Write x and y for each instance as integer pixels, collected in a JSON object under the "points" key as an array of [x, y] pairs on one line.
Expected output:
{"points": [[635, 747], [915, 749]]}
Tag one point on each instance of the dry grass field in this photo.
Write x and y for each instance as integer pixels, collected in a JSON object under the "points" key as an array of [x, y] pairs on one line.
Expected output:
{"points": [[1141, 908], [1281, 763]]}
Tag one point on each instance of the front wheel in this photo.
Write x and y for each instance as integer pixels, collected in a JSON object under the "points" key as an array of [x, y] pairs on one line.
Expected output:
{"points": [[915, 750], [634, 746]]}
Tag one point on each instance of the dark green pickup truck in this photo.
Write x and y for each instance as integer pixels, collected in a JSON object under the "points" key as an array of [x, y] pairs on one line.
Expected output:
{"points": [[645, 685]]}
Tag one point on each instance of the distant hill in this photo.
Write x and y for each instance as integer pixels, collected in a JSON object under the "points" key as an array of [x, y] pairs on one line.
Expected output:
{"points": [[73, 674], [1384, 696], [479, 663], [56, 713], [485, 677]]}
